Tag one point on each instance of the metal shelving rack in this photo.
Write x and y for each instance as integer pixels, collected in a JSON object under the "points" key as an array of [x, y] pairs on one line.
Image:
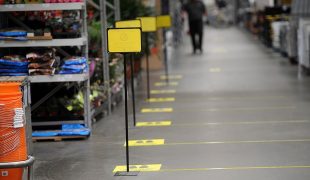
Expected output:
{"points": [[81, 42]]}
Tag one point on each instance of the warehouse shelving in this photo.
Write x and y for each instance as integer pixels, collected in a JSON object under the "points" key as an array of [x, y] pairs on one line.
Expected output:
{"points": [[81, 79]]}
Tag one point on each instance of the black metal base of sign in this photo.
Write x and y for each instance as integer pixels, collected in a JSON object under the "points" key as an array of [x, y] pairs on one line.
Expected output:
{"points": [[125, 173]]}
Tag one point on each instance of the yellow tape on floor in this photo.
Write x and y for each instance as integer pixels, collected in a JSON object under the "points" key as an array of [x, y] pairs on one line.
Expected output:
{"points": [[215, 70], [157, 110], [139, 168], [163, 91], [171, 77], [157, 100], [146, 142], [154, 124], [161, 84]]}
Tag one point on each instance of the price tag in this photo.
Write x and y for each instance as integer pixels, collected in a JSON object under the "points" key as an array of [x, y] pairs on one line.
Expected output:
{"points": [[46, 5]]}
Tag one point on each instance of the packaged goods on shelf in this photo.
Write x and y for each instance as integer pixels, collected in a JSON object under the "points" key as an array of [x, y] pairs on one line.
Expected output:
{"points": [[75, 65], [42, 64], [13, 66]]}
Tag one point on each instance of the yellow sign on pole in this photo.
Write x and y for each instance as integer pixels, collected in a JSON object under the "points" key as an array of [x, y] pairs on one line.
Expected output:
{"points": [[148, 24], [163, 21], [124, 40], [136, 23]]}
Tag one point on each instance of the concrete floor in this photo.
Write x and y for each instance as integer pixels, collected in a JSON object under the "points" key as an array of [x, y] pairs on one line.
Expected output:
{"points": [[241, 113]]}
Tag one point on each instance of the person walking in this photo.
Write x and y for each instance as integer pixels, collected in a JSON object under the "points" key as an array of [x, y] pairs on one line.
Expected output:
{"points": [[196, 10]]}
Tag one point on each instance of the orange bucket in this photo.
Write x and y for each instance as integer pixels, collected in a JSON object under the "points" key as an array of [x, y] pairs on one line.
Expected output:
{"points": [[12, 140]]}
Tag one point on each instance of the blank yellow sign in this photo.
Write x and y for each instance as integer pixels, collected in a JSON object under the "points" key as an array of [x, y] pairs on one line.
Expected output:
{"points": [[163, 21], [124, 40], [128, 24], [148, 24]]}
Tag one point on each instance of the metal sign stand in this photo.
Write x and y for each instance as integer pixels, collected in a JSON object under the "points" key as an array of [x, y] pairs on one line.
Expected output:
{"points": [[133, 90], [127, 172], [166, 57], [147, 66]]}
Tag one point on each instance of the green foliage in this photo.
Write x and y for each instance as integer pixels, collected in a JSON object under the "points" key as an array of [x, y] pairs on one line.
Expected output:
{"points": [[131, 9]]}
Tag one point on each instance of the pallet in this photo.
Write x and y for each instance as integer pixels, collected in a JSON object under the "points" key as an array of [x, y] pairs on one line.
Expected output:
{"points": [[38, 38], [58, 138]]}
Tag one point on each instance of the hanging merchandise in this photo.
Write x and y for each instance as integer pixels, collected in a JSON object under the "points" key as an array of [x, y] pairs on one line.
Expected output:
{"points": [[303, 42]]}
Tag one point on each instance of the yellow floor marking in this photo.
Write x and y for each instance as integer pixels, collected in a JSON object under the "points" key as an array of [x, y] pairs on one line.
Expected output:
{"points": [[238, 142], [237, 168], [139, 168], [146, 142], [157, 110], [242, 123], [156, 100], [160, 84], [235, 109], [154, 123], [215, 70], [171, 77], [163, 91]]}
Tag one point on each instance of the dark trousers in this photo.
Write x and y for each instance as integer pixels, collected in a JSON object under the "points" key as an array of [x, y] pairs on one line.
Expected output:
{"points": [[196, 29]]}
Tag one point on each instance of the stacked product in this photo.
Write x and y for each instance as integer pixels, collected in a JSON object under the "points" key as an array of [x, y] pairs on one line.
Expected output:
{"points": [[41, 64], [13, 146], [13, 66], [16, 35], [74, 65]]}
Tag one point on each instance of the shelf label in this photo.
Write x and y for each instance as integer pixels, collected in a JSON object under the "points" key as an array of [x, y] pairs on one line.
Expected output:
{"points": [[124, 40], [139, 168], [46, 5], [20, 6]]}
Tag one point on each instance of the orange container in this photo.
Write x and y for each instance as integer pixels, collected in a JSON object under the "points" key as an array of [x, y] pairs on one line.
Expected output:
{"points": [[13, 140]]}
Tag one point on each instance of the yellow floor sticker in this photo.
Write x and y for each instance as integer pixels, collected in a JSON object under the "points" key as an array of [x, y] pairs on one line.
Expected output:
{"points": [[146, 142], [157, 110], [155, 100], [215, 70], [160, 84], [154, 123], [139, 168], [163, 91], [219, 50], [171, 77]]}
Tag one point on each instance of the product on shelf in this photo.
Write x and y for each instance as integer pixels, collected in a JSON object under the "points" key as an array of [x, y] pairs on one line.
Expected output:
{"points": [[13, 66], [74, 65], [14, 35], [41, 64]]}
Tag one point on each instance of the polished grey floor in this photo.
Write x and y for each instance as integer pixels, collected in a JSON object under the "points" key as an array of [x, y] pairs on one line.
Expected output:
{"points": [[241, 113]]}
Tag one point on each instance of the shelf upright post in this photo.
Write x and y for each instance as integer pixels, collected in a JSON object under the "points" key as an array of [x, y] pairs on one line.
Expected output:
{"points": [[105, 55], [117, 10], [86, 83]]}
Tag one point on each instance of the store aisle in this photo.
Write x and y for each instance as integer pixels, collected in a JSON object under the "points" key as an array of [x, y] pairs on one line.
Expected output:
{"points": [[237, 112]]}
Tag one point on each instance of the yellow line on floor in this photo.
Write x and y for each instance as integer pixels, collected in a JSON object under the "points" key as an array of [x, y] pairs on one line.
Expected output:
{"points": [[238, 142], [242, 123], [159, 100], [161, 84], [236, 168], [179, 110], [156, 110], [154, 124], [171, 77], [169, 91]]}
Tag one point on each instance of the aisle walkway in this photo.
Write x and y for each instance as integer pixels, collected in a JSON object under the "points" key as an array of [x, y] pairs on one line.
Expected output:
{"points": [[237, 112]]}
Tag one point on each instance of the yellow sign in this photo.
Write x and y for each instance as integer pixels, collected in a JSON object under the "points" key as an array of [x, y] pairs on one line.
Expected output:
{"points": [[171, 91], [157, 100], [128, 24], [154, 124], [139, 168], [147, 142], [157, 110], [163, 21], [124, 40], [148, 24]]}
